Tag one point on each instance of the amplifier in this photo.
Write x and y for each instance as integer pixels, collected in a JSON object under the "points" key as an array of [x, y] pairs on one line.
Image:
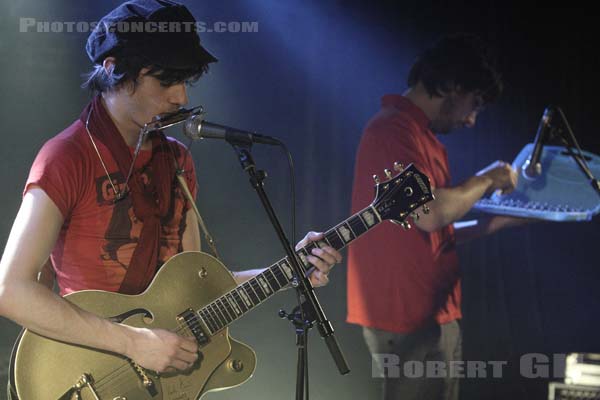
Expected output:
{"points": [[565, 391], [583, 369]]}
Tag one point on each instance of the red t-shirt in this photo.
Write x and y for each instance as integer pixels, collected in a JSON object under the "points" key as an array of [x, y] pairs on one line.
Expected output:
{"points": [[98, 236], [400, 280]]}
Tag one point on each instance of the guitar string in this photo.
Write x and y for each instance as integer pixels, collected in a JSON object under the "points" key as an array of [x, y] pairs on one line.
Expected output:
{"points": [[111, 378], [181, 326], [118, 373]]}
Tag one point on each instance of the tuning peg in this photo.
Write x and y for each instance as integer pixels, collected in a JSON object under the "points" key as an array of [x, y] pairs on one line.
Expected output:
{"points": [[398, 167], [426, 209], [388, 173], [415, 216], [376, 179], [405, 225]]}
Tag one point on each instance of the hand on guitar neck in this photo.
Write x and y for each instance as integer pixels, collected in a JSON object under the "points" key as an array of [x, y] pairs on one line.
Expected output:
{"points": [[323, 259]]}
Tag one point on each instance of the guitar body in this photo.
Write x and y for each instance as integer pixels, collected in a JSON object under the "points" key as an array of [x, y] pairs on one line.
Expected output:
{"points": [[49, 369]]}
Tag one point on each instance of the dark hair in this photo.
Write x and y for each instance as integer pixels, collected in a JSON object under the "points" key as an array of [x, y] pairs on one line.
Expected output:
{"points": [[458, 61], [127, 69]]}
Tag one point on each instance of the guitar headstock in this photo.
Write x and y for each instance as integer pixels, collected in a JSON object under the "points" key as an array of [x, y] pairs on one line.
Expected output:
{"points": [[399, 196]]}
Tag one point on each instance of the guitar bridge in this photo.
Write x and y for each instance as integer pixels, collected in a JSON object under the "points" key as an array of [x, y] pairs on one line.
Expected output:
{"points": [[84, 381], [146, 381], [192, 321]]}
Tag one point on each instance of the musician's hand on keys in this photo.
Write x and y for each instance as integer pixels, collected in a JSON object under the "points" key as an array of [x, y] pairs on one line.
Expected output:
{"points": [[323, 258], [502, 177], [161, 350]]}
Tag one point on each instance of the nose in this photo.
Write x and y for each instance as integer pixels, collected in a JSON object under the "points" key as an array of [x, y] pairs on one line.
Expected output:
{"points": [[471, 119], [178, 94]]}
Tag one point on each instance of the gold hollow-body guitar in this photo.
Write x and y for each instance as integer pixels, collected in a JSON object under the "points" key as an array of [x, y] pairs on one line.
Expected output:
{"points": [[194, 295]]}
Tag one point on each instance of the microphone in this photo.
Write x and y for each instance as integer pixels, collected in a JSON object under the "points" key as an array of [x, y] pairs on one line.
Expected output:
{"points": [[532, 168], [196, 128]]}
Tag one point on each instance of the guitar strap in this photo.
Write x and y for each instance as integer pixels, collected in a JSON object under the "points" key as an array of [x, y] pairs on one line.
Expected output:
{"points": [[186, 191]]}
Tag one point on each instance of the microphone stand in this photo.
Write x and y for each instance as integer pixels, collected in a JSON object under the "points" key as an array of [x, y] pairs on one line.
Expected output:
{"points": [[310, 310], [579, 158]]}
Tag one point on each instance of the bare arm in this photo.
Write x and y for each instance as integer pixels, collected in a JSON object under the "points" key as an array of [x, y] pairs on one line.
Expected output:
{"points": [[31, 304], [451, 204], [469, 230], [191, 236]]}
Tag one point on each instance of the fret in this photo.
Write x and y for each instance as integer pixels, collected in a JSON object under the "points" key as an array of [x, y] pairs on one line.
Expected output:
{"points": [[357, 225], [223, 310], [285, 265], [264, 285], [244, 306], [323, 243], [218, 316], [369, 217], [213, 316], [272, 280], [208, 319], [310, 247], [250, 292], [302, 253], [345, 232], [334, 238], [227, 307], [280, 275], [242, 293], [256, 286], [233, 304]]}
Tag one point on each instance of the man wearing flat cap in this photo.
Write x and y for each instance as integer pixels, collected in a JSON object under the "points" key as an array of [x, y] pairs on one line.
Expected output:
{"points": [[96, 214]]}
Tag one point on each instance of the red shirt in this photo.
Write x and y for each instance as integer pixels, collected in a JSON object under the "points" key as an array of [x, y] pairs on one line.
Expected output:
{"points": [[400, 280], [98, 237]]}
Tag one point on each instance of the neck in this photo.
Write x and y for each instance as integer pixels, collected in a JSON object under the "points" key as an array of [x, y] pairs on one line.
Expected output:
{"points": [[117, 110], [235, 303], [419, 96]]}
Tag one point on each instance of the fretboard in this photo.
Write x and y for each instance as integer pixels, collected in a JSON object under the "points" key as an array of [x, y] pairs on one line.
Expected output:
{"points": [[237, 302]]}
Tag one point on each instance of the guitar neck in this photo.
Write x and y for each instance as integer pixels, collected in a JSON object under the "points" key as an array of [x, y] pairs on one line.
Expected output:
{"points": [[237, 302]]}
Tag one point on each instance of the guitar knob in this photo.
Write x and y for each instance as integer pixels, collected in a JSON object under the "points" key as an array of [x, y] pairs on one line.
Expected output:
{"points": [[235, 365], [376, 179], [415, 216], [426, 209], [398, 167], [405, 225], [388, 173]]}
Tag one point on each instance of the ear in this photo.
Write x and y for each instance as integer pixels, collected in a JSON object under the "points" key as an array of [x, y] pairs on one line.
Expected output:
{"points": [[109, 65]]}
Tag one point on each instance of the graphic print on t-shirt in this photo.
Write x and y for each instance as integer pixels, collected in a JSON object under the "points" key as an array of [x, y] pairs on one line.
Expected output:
{"points": [[123, 230]]}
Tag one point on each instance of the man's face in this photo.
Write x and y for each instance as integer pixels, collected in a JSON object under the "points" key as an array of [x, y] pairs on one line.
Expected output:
{"points": [[151, 98], [458, 110]]}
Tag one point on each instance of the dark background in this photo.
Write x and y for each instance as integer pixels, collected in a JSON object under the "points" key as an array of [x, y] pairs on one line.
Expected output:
{"points": [[313, 75]]}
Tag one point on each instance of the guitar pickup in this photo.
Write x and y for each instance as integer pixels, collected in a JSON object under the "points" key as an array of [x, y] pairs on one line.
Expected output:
{"points": [[192, 321]]}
